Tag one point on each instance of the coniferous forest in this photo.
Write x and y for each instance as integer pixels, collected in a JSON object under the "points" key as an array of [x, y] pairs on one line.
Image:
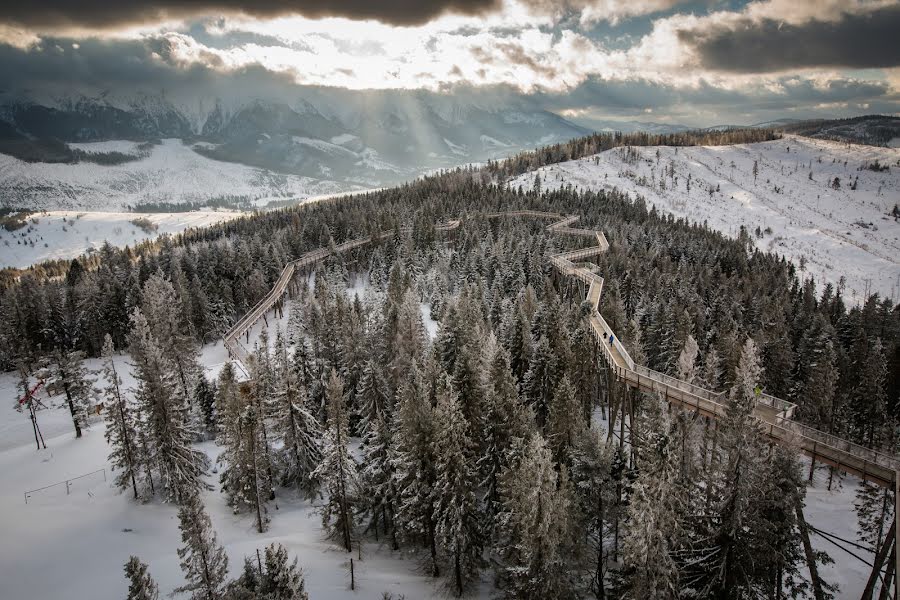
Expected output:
{"points": [[499, 450]]}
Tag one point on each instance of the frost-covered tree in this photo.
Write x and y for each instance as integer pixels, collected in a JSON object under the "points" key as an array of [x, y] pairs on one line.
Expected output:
{"points": [[162, 306], [655, 512], [140, 584], [297, 430], [165, 413], [415, 464], [565, 421], [205, 404], [686, 365], [121, 431], [245, 478], [228, 404], [273, 578], [459, 527], [203, 560], [537, 546], [338, 469], [70, 372]]}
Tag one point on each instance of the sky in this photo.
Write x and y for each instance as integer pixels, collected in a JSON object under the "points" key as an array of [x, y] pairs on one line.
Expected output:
{"points": [[698, 63]]}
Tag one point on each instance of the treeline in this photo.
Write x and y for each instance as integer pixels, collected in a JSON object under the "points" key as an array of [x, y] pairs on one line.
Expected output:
{"points": [[232, 202], [52, 150], [599, 142]]}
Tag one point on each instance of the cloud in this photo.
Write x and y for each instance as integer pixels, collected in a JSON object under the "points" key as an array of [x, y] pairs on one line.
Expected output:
{"points": [[859, 41], [88, 14]]}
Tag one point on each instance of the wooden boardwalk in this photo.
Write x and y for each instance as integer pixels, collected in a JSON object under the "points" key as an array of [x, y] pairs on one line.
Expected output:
{"points": [[773, 414]]}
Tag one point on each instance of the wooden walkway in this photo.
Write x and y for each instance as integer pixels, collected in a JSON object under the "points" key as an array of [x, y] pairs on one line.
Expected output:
{"points": [[773, 414]]}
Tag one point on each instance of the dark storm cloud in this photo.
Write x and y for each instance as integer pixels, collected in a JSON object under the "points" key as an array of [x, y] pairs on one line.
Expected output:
{"points": [[103, 14], [870, 40]]}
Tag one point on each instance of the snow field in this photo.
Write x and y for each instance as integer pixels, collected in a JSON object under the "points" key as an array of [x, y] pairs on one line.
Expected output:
{"points": [[835, 232], [172, 172], [68, 234]]}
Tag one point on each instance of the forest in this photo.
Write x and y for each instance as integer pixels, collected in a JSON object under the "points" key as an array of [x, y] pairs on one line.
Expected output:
{"points": [[488, 451]]}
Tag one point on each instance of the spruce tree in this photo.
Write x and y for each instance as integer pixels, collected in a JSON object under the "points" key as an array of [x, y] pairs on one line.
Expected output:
{"points": [[205, 403], [203, 560], [338, 469], [72, 376], [294, 426], [458, 520], [169, 434], [121, 430], [537, 545], [140, 584], [283, 580], [245, 478]]}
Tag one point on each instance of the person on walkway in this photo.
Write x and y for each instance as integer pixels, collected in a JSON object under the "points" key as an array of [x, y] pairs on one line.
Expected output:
{"points": [[612, 339]]}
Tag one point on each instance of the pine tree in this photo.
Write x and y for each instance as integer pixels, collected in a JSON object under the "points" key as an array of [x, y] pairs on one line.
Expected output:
{"points": [[338, 469], [245, 478], [537, 544], [542, 379], [121, 433], [205, 403], [140, 584], [294, 426], [414, 461], [565, 422], [203, 560], [685, 367], [283, 580], [458, 520], [377, 478], [172, 331], [72, 376], [168, 431], [228, 404], [655, 512]]}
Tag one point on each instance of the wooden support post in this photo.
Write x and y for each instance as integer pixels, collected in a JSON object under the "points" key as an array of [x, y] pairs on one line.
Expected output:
{"points": [[352, 576]]}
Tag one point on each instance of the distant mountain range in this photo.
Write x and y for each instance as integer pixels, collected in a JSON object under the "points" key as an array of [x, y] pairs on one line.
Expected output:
{"points": [[361, 138]]}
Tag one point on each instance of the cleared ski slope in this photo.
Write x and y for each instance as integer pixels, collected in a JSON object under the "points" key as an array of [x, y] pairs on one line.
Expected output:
{"points": [[835, 232]]}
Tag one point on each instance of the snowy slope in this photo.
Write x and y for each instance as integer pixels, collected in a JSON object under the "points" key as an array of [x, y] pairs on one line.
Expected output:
{"points": [[838, 233], [67, 234], [172, 173]]}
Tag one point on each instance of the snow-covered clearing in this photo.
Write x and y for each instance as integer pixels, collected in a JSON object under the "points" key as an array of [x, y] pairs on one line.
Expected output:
{"points": [[67, 234], [836, 232], [60, 546], [172, 173]]}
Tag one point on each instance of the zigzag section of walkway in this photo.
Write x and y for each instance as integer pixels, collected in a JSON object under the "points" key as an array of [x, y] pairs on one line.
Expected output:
{"points": [[773, 413]]}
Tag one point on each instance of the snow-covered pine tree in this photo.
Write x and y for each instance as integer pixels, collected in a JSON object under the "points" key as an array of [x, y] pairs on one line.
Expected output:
{"points": [[538, 547], [205, 404], [377, 479], [459, 524], [121, 431], [203, 560], [414, 462], [283, 580], [686, 364], [338, 469], [164, 411], [245, 478], [655, 511], [565, 422], [173, 332], [541, 381], [140, 584], [372, 396], [228, 404], [69, 370], [294, 426], [506, 420], [731, 548], [596, 495]]}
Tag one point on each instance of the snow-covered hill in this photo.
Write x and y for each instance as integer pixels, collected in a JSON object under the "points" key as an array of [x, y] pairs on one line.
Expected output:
{"points": [[831, 233], [171, 173], [67, 234]]}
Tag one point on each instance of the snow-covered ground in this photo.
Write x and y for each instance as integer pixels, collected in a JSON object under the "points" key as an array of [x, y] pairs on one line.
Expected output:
{"points": [[60, 546], [67, 234], [836, 232], [172, 173]]}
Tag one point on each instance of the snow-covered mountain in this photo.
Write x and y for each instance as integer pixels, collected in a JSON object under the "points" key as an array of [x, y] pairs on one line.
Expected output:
{"points": [[355, 138], [830, 230]]}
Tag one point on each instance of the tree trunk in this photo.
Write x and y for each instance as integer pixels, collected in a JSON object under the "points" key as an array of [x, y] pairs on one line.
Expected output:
{"points": [[818, 592], [72, 411], [879, 562]]}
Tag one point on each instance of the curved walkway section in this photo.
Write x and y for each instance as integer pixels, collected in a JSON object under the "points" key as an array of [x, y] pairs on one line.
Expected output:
{"points": [[773, 413]]}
